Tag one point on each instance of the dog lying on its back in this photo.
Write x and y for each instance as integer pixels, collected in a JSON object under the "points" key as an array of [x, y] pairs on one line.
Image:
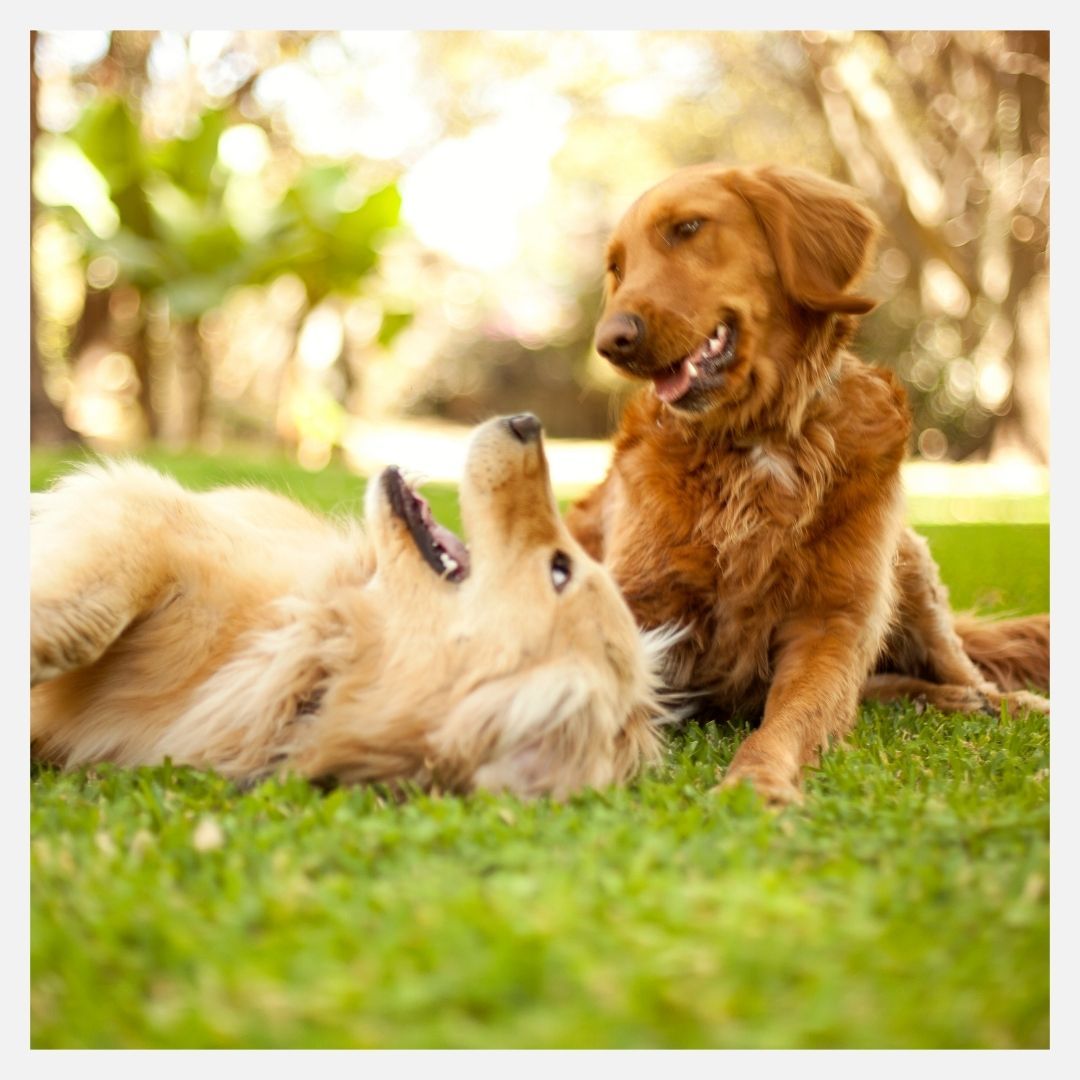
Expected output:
{"points": [[235, 630], [755, 492]]}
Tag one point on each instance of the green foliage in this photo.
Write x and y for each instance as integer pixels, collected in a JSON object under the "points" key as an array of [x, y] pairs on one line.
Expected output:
{"points": [[108, 135], [328, 248], [177, 237], [190, 162], [393, 322], [905, 905]]}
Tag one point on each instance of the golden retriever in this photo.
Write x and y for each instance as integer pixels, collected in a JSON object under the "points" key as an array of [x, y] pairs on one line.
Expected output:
{"points": [[755, 493], [237, 631]]}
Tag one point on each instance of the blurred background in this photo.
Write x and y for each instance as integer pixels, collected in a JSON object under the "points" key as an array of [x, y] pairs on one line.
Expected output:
{"points": [[346, 245]]}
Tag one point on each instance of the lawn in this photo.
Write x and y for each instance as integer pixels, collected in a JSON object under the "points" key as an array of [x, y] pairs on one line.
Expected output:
{"points": [[904, 905]]}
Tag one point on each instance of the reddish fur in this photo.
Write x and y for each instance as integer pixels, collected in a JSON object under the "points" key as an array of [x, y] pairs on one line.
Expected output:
{"points": [[769, 520], [1014, 653]]}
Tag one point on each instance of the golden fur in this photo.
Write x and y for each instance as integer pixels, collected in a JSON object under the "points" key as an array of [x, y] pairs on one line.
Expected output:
{"points": [[755, 493], [235, 630]]}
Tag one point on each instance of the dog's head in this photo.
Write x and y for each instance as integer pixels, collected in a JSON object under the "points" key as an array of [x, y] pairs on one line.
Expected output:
{"points": [[727, 288], [518, 650]]}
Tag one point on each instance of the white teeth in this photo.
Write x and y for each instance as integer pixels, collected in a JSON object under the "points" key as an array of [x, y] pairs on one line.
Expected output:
{"points": [[692, 369], [449, 564], [714, 345]]}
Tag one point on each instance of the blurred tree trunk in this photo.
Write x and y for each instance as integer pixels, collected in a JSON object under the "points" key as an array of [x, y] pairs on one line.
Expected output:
{"points": [[1025, 428], [948, 138], [138, 348], [47, 424], [193, 382], [93, 324], [122, 70]]}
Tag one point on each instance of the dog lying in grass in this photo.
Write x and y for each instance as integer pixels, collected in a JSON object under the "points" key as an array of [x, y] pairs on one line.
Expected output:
{"points": [[755, 494], [237, 631]]}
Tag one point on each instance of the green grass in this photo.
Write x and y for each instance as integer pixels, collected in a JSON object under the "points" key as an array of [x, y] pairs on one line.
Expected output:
{"points": [[905, 905], [994, 567]]}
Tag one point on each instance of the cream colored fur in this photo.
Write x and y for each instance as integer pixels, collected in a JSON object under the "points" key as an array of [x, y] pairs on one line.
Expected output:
{"points": [[235, 630]]}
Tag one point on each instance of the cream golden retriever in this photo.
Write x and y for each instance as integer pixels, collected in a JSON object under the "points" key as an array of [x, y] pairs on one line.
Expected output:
{"points": [[234, 630]]}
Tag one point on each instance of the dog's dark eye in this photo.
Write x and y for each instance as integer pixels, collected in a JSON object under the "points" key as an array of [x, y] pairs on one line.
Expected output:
{"points": [[616, 271], [560, 570], [685, 229]]}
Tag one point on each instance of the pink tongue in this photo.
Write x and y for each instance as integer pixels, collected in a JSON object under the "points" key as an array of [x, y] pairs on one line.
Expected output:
{"points": [[448, 541], [672, 385], [451, 544]]}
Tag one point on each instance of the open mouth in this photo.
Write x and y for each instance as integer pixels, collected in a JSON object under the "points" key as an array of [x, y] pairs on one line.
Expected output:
{"points": [[444, 552], [702, 367]]}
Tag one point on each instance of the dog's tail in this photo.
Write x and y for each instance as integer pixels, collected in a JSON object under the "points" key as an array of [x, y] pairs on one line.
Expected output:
{"points": [[1014, 653]]}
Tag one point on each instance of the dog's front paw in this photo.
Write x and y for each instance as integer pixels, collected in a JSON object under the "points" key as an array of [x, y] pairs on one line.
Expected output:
{"points": [[66, 636], [41, 669], [772, 780], [49, 648], [969, 699]]}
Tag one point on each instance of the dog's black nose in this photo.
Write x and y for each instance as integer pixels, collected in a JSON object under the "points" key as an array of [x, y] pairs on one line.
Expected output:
{"points": [[619, 338], [525, 427]]}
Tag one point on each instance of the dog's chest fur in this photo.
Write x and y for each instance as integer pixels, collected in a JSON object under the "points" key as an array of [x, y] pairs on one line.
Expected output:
{"points": [[717, 535]]}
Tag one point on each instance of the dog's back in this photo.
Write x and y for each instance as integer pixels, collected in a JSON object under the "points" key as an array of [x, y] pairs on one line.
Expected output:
{"points": [[201, 571]]}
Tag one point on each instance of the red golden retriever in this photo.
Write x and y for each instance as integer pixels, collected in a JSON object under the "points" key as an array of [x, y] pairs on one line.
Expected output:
{"points": [[755, 493]]}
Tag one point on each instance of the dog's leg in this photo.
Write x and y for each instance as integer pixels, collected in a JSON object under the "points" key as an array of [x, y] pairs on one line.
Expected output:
{"points": [[813, 698], [925, 636], [94, 563], [951, 697], [946, 697], [926, 646], [73, 630]]}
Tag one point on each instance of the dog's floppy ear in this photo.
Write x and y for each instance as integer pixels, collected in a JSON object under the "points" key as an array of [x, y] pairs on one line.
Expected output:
{"points": [[820, 234], [550, 730]]}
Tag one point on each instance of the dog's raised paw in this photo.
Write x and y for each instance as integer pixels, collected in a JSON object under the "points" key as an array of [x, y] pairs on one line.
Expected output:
{"points": [[65, 636]]}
